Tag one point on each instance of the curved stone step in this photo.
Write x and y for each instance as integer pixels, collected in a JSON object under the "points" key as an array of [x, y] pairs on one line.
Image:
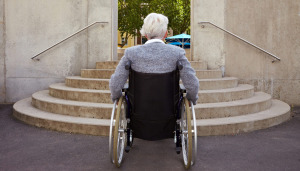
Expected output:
{"points": [[87, 83], [197, 65], [97, 73], [242, 91], [106, 73], [278, 113], [103, 84], [24, 111], [107, 65], [60, 90], [208, 74], [259, 102], [218, 83], [43, 101]]}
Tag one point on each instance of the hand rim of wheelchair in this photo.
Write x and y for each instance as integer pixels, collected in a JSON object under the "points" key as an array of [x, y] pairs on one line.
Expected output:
{"points": [[195, 134], [118, 138], [110, 131], [186, 134]]}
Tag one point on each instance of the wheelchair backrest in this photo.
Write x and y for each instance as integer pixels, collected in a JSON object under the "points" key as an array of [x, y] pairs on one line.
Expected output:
{"points": [[154, 96]]}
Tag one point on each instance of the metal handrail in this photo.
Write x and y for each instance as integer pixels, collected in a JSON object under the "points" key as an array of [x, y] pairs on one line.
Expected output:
{"points": [[274, 56], [67, 38]]}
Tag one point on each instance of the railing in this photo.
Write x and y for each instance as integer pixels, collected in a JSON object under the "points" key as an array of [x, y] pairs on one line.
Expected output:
{"points": [[35, 57], [274, 56]]}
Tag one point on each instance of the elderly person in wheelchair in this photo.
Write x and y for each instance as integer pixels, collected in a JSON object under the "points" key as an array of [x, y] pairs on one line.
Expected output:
{"points": [[153, 105]]}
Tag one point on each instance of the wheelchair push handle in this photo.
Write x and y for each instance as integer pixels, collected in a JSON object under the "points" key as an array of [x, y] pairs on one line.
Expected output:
{"points": [[179, 65], [128, 65]]}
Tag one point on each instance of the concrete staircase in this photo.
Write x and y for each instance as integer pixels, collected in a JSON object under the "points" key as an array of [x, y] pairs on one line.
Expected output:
{"points": [[83, 105]]}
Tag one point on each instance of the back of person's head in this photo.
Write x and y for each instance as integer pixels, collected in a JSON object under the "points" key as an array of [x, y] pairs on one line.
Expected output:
{"points": [[155, 26]]}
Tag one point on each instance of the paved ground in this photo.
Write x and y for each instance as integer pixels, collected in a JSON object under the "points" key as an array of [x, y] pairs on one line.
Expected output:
{"points": [[24, 147]]}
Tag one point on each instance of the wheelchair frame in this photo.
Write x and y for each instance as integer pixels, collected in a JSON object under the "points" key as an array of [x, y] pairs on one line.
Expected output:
{"points": [[121, 138]]}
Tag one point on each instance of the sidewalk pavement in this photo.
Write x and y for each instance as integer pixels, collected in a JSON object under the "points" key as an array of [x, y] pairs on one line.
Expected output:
{"points": [[24, 147]]}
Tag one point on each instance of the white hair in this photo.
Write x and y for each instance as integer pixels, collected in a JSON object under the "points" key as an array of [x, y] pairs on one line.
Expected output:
{"points": [[155, 26]]}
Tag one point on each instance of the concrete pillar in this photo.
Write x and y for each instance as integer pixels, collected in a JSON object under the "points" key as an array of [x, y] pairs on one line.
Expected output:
{"points": [[2, 53], [102, 42], [207, 41], [114, 12]]}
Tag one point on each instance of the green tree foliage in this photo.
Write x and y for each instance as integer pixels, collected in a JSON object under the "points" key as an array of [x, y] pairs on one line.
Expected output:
{"points": [[132, 12]]}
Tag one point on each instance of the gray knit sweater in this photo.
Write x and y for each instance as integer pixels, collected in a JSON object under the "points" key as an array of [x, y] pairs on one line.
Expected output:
{"points": [[154, 57]]}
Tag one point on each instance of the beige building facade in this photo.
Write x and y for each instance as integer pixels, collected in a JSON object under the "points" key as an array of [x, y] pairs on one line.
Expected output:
{"points": [[271, 25]]}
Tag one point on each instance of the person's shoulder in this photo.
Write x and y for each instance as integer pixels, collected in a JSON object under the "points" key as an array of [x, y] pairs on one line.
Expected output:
{"points": [[133, 48], [175, 48]]}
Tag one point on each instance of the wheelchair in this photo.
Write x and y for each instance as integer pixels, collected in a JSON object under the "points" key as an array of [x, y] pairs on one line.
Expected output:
{"points": [[153, 107]]}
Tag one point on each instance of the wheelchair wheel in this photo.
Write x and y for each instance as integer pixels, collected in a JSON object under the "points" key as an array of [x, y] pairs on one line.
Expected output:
{"points": [[111, 131], [186, 133], [194, 131], [119, 136]]}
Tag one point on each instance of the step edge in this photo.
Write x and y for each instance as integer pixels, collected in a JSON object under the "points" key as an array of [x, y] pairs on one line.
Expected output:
{"points": [[248, 117], [86, 78], [41, 94], [63, 87], [240, 87], [253, 100], [57, 117]]}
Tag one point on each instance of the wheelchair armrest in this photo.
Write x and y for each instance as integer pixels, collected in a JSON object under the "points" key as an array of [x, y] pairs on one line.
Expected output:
{"points": [[182, 88], [125, 88]]}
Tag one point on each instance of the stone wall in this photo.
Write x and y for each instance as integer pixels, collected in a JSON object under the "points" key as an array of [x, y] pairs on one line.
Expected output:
{"points": [[271, 25], [32, 26], [275, 27], [2, 53]]}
